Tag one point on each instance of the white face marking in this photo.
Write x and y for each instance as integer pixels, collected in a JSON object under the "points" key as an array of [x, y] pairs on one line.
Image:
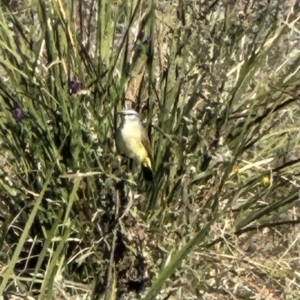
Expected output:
{"points": [[130, 115]]}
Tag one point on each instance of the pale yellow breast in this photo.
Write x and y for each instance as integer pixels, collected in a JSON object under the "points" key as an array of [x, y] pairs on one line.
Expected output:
{"points": [[131, 130], [128, 140]]}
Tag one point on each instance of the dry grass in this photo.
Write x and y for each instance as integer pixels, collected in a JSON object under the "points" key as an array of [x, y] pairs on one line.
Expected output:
{"points": [[217, 85]]}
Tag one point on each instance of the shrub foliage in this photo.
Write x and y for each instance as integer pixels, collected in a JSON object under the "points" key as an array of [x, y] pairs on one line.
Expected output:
{"points": [[217, 84]]}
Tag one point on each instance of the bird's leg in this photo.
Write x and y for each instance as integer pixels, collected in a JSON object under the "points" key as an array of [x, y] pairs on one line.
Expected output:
{"points": [[128, 168], [130, 164]]}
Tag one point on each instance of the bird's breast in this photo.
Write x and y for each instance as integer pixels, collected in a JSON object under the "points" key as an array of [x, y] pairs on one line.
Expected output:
{"points": [[129, 141], [131, 130]]}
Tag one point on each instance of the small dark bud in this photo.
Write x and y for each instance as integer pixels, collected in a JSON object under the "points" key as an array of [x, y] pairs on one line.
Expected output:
{"points": [[74, 86], [18, 114]]}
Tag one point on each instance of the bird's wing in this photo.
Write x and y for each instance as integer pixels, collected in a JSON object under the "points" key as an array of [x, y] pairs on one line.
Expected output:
{"points": [[146, 143]]}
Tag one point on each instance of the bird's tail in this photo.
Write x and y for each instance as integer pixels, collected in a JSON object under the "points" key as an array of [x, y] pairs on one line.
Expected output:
{"points": [[147, 169]]}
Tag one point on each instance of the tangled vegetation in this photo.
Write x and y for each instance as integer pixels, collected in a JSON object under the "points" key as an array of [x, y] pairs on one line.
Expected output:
{"points": [[217, 84]]}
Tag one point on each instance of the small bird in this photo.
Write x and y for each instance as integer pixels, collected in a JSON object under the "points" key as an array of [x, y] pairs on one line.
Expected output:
{"points": [[133, 142]]}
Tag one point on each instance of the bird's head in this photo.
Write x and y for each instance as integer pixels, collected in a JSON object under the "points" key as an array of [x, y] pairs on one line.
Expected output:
{"points": [[129, 115]]}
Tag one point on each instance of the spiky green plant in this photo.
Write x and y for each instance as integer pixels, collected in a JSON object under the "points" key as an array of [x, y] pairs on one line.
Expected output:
{"points": [[218, 87]]}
